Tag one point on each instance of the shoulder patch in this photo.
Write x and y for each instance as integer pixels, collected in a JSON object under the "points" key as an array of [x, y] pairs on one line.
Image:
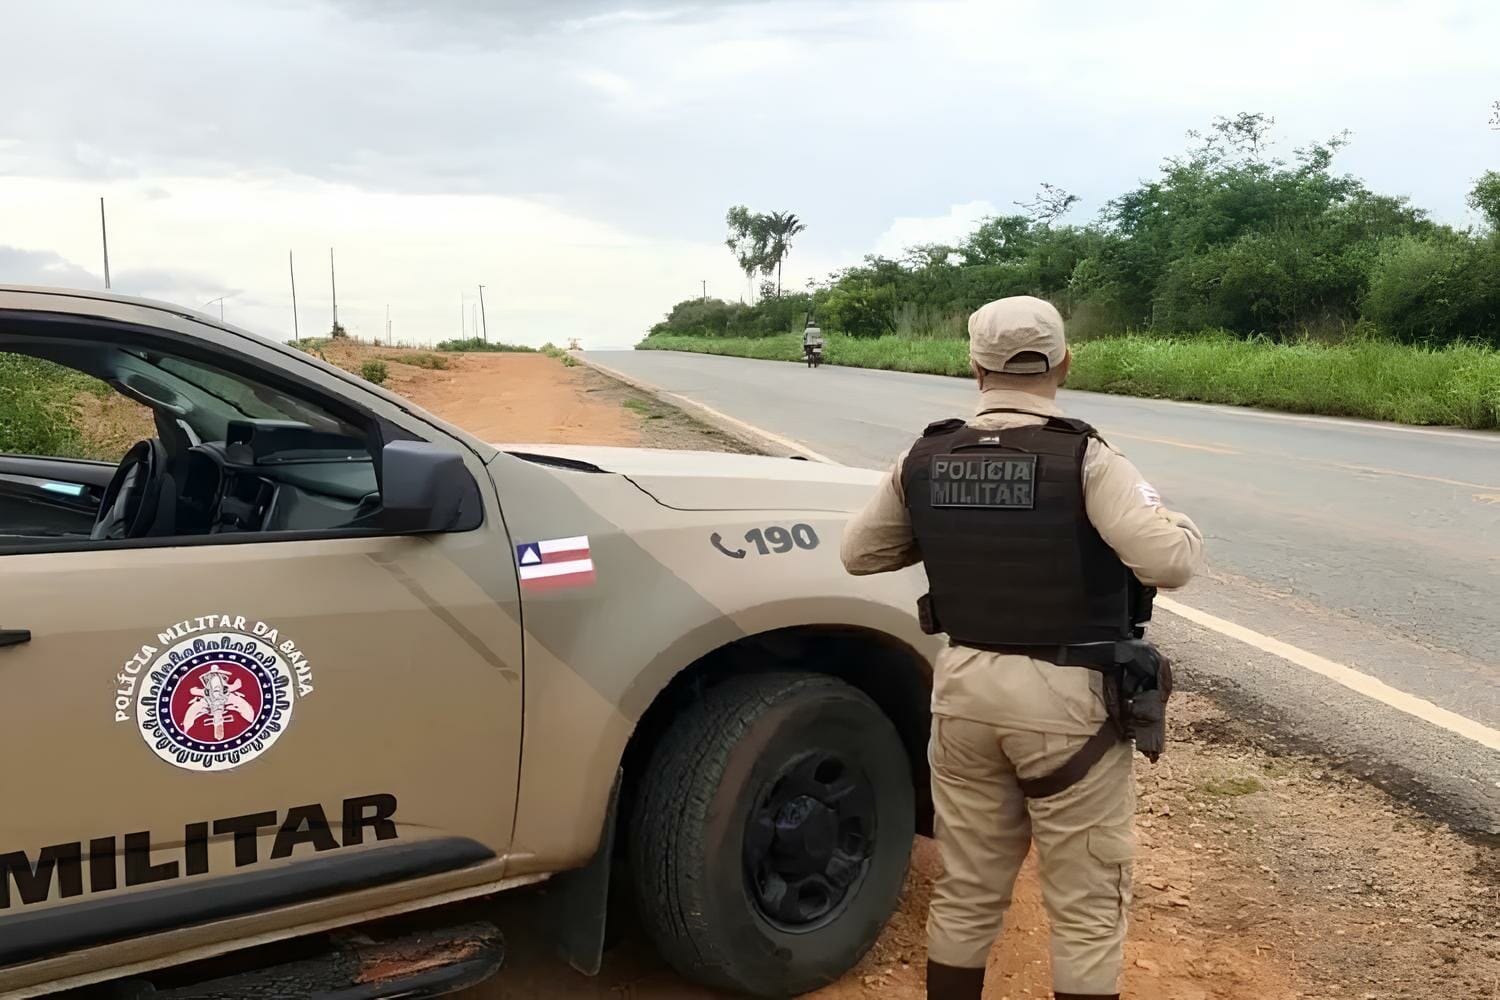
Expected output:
{"points": [[944, 426]]}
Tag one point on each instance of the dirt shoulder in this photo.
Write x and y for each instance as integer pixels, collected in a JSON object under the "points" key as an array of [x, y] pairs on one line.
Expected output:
{"points": [[531, 399], [1261, 874]]}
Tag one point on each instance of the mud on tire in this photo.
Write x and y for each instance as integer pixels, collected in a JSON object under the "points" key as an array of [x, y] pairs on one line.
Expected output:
{"points": [[771, 834]]}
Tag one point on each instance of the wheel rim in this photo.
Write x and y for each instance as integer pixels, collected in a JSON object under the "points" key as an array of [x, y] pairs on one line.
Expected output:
{"points": [[809, 839]]}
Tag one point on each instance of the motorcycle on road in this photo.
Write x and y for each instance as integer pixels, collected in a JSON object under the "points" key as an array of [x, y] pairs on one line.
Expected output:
{"points": [[812, 344]]}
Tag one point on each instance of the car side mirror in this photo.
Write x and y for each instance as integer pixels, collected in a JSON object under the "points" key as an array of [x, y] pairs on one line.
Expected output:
{"points": [[423, 486]]}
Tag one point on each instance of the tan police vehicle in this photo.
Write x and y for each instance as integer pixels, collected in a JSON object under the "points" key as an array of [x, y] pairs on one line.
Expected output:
{"points": [[310, 657]]}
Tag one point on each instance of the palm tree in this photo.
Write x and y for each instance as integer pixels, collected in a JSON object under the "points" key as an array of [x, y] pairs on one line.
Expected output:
{"points": [[748, 239], [781, 227]]}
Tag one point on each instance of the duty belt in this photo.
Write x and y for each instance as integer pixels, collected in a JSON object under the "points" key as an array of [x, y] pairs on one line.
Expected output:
{"points": [[1098, 655], [1138, 681]]}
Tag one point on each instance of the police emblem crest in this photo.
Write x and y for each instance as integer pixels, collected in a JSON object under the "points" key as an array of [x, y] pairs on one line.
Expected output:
{"points": [[213, 702]]}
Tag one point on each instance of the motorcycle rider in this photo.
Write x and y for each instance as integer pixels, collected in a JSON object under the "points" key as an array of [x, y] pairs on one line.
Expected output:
{"points": [[812, 341]]}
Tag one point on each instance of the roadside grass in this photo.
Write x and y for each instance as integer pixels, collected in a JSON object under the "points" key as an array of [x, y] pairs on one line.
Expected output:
{"points": [[374, 370], [553, 351], [1457, 385], [419, 360], [642, 407], [38, 409], [1232, 786], [479, 344]]}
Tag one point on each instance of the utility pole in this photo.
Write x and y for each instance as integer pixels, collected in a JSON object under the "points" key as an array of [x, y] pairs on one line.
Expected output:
{"points": [[334, 285], [482, 319], [705, 290], [104, 236], [292, 270], [387, 324], [463, 331], [474, 314]]}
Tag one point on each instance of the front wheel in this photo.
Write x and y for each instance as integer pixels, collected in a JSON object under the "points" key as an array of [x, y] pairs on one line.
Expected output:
{"points": [[771, 835]]}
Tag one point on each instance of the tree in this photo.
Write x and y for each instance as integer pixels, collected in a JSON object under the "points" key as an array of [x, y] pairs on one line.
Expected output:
{"points": [[1048, 205], [1485, 198], [761, 242], [1495, 115], [998, 239], [782, 226], [749, 239]]}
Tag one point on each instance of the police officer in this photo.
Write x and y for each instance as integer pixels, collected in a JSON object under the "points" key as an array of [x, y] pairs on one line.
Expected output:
{"points": [[1041, 544]]}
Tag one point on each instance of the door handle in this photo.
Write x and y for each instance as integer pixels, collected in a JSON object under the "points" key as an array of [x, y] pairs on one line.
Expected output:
{"points": [[14, 636]]}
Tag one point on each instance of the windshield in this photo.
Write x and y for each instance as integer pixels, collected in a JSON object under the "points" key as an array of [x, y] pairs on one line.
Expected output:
{"points": [[219, 397]]}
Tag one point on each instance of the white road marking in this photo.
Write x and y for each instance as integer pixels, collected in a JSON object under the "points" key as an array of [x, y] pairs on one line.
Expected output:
{"points": [[1348, 677], [1338, 673]]}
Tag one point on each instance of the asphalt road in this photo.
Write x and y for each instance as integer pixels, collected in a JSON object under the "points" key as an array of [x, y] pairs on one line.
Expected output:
{"points": [[1373, 546]]}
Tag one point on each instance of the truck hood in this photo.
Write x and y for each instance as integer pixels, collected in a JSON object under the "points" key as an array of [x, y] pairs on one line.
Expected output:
{"points": [[712, 480]]}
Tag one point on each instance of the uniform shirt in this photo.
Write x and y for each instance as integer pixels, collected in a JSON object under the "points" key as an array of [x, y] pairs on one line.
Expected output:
{"points": [[1160, 546]]}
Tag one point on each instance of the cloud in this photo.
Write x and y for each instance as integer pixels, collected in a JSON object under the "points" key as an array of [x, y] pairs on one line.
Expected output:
{"points": [[43, 267], [950, 228], [181, 287], [877, 122]]}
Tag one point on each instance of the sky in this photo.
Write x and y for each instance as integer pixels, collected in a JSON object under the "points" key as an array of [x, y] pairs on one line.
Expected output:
{"points": [[576, 157]]}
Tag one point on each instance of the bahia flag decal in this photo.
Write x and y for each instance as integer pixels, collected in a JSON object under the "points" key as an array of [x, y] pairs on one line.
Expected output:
{"points": [[555, 563]]}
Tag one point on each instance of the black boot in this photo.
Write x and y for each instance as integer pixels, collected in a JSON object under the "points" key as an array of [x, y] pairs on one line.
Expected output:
{"points": [[948, 982]]}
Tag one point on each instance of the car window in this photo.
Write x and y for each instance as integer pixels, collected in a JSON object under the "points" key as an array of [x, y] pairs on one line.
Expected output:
{"points": [[224, 397], [52, 411], [233, 454]]}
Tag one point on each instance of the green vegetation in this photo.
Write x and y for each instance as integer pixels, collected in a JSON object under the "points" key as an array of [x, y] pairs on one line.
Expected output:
{"points": [[418, 360], [760, 243], [1232, 787], [473, 344], [553, 351], [1232, 276], [311, 345], [1226, 237], [1362, 377], [642, 407], [374, 370], [38, 415]]}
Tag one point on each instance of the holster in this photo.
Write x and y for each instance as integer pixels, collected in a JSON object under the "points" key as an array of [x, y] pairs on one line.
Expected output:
{"points": [[1137, 684], [925, 618], [1143, 684]]}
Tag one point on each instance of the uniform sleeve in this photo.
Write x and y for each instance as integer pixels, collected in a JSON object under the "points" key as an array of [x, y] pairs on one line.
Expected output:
{"points": [[1161, 546], [879, 538]]}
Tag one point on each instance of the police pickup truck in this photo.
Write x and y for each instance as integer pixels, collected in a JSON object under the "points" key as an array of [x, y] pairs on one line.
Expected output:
{"points": [[308, 657]]}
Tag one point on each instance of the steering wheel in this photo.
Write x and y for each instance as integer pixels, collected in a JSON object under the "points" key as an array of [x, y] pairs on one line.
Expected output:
{"points": [[128, 509]]}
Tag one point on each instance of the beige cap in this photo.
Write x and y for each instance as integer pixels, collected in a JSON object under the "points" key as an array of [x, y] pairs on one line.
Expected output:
{"points": [[1000, 330]]}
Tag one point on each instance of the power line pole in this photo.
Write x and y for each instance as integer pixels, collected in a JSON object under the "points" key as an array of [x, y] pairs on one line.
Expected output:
{"points": [[334, 285], [104, 237], [482, 318], [387, 324], [292, 270], [705, 289], [463, 331]]}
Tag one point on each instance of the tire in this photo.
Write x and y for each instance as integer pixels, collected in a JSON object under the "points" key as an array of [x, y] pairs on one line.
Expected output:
{"points": [[766, 778]]}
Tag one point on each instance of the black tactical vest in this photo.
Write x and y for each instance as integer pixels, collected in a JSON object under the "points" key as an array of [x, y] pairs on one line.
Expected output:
{"points": [[1011, 557]]}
